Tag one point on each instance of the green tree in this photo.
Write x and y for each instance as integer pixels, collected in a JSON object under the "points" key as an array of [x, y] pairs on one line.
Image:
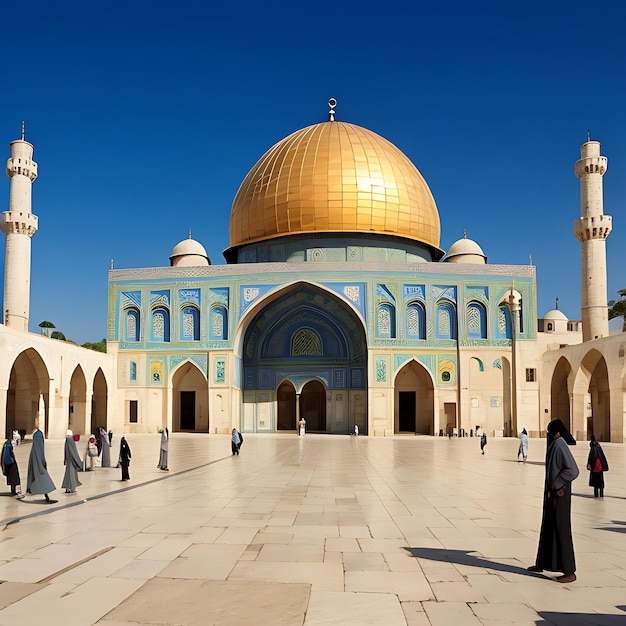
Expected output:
{"points": [[56, 334], [45, 327], [99, 346], [617, 308]]}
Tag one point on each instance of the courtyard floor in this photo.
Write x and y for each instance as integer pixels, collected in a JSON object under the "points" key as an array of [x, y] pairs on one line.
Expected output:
{"points": [[309, 531]]}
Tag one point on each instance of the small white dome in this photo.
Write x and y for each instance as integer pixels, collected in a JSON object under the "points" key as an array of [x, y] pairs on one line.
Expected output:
{"points": [[465, 251], [189, 248], [555, 314]]}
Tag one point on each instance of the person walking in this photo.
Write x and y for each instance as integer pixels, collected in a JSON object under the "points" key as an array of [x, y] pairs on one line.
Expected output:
{"points": [[483, 442], [105, 445], [90, 454], [165, 436], [301, 427], [10, 468], [73, 464], [124, 457], [37, 479], [597, 465], [556, 548], [236, 441], [522, 453]]}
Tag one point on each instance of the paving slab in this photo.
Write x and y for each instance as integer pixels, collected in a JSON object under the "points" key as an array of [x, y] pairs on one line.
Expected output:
{"points": [[415, 531]]}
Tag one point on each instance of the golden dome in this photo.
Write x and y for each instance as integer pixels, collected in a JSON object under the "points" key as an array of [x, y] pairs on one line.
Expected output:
{"points": [[334, 177]]}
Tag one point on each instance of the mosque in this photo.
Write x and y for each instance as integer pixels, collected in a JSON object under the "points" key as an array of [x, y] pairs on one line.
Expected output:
{"points": [[336, 305]]}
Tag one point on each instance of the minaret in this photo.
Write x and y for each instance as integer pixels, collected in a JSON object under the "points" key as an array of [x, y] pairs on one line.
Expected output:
{"points": [[591, 230], [19, 225]]}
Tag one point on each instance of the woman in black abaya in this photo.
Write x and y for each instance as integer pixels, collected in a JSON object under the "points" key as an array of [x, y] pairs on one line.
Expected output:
{"points": [[556, 548]]}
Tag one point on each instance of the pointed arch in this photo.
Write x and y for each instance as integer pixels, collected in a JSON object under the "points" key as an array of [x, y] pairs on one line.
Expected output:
{"points": [[99, 402], [190, 399], [416, 320], [560, 399], [303, 332], [160, 327], [132, 324], [28, 383], [77, 418], [445, 320], [286, 401], [476, 320], [414, 399]]}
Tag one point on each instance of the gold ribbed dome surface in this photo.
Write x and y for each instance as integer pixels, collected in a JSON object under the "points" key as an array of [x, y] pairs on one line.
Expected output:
{"points": [[334, 177]]}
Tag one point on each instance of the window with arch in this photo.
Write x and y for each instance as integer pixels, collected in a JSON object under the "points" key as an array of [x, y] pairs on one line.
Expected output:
{"points": [[189, 324], [160, 330], [386, 321], [306, 342], [416, 321], [445, 321], [131, 324], [218, 323], [476, 321], [503, 330]]}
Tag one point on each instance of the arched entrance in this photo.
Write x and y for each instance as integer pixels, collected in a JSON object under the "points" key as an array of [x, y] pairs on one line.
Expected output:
{"points": [[559, 393], [99, 402], [414, 400], [77, 418], [313, 406], [598, 410], [286, 401], [28, 382], [190, 399], [314, 339]]}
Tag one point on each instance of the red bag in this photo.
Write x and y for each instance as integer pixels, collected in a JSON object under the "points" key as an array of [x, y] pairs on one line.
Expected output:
{"points": [[76, 437], [597, 467]]}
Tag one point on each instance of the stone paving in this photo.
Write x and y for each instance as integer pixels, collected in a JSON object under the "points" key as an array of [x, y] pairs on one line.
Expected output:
{"points": [[309, 531]]}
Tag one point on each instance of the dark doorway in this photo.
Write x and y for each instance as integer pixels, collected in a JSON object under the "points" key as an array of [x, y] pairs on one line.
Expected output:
{"points": [[313, 406], [187, 410], [286, 407], [406, 411]]}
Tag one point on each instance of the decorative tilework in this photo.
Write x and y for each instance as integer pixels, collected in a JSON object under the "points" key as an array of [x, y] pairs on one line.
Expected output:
{"points": [[381, 370], [497, 364], [413, 291], [189, 295], [220, 370]]}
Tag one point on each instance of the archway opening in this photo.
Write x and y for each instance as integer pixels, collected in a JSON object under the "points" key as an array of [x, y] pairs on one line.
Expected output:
{"points": [[28, 382], [414, 400], [304, 333], [286, 399], [599, 401], [99, 402], [190, 397], [313, 406], [77, 418], [559, 393]]}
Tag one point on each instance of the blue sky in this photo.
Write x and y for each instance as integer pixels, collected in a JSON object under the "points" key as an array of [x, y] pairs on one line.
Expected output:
{"points": [[146, 117]]}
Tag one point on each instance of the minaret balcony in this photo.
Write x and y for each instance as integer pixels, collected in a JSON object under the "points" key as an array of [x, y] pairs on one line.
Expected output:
{"points": [[15, 222], [25, 167], [591, 165], [597, 227]]}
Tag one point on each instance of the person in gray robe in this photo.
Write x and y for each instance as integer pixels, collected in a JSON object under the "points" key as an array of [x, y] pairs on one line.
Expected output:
{"points": [[38, 480], [73, 464], [165, 435], [105, 459], [556, 548]]}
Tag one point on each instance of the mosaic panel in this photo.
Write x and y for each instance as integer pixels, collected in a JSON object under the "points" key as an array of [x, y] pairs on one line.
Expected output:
{"points": [[160, 297], [220, 370], [189, 295], [381, 370], [410, 292]]}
